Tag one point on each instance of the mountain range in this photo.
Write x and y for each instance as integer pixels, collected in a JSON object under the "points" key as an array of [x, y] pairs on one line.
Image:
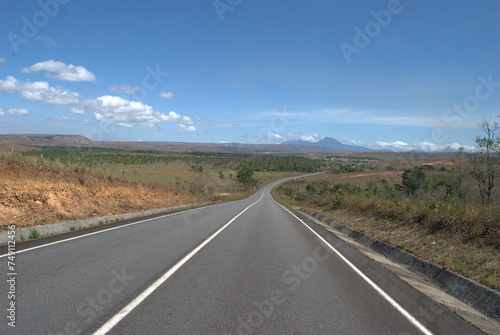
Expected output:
{"points": [[330, 143]]}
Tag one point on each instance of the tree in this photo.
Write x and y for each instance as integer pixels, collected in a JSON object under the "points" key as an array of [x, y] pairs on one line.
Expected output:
{"points": [[485, 161], [311, 189], [460, 156], [245, 176], [413, 180]]}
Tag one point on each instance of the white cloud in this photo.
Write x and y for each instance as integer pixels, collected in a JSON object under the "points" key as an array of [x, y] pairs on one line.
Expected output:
{"points": [[311, 138], [403, 146], [40, 91], [375, 117], [2, 60], [47, 41], [182, 128], [187, 120], [125, 113], [166, 95], [77, 110], [61, 118], [61, 71], [127, 89], [198, 118], [172, 116], [14, 111]]}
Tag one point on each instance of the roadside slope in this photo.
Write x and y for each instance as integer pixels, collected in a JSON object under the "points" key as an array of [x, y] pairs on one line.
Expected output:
{"points": [[31, 196]]}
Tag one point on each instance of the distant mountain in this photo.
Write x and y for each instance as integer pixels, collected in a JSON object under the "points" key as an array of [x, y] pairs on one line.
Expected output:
{"points": [[329, 143], [46, 139]]}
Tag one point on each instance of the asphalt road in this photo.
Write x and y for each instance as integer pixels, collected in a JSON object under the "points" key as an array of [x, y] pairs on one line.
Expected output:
{"points": [[264, 271]]}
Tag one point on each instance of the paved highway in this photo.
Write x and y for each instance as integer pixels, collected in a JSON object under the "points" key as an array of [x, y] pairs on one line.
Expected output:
{"points": [[245, 267]]}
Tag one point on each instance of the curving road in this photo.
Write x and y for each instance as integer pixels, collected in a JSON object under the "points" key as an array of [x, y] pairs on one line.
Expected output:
{"points": [[249, 266]]}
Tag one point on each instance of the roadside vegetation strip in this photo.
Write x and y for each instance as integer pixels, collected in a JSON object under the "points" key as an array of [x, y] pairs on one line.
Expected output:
{"points": [[134, 303], [462, 237], [53, 185]]}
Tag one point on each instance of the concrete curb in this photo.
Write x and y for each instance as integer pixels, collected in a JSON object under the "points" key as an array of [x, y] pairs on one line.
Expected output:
{"points": [[58, 228], [481, 298]]}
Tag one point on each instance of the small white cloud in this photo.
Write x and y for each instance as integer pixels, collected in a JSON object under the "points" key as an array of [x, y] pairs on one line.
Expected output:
{"points": [[127, 89], [172, 116], [187, 120], [40, 91], [77, 110], [2, 60], [182, 128], [47, 41], [17, 111], [61, 71], [1, 111], [166, 95], [198, 118], [61, 118], [403, 146], [311, 137]]}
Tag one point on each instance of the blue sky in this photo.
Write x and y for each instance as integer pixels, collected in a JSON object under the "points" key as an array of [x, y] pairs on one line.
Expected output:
{"points": [[391, 74]]}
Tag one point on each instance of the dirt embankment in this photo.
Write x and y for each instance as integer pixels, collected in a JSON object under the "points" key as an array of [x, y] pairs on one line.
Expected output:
{"points": [[31, 197]]}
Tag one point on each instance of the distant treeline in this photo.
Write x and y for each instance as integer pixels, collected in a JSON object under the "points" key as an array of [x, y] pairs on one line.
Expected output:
{"points": [[95, 156]]}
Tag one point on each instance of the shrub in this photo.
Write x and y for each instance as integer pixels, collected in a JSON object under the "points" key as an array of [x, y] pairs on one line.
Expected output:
{"points": [[311, 189]]}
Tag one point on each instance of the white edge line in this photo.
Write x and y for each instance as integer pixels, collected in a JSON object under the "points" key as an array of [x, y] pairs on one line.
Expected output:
{"points": [[106, 230], [134, 303], [368, 280], [123, 226]]}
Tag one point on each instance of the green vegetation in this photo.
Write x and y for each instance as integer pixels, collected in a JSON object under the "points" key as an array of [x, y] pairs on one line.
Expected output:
{"points": [[245, 176], [92, 158], [33, 234]]}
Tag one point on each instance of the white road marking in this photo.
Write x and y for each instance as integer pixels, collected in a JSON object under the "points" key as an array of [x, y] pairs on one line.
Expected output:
{"points": [[368, 280], [132, 305], [105, 230]]}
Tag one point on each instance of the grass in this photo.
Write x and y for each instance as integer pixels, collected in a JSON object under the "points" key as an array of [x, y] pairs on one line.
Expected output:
{"points": [[33, 234], [463, 238], [72, 228], [52, 191]]}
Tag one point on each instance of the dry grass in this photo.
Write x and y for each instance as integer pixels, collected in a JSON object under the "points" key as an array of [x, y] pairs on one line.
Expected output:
{"points": [[465, 239], [30, 196], [36, 191]]}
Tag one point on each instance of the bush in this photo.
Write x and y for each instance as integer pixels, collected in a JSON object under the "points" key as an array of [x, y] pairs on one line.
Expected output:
{"points": [[311, 189], [300, 196], [414, 180]]}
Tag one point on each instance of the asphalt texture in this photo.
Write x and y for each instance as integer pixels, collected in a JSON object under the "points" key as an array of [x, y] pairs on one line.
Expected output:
{"points": [[265, 273]]}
